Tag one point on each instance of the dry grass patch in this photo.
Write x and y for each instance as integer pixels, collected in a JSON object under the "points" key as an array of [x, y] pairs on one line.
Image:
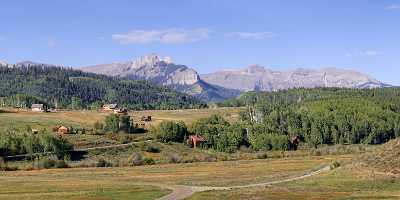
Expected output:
{"points": [[344, 183], [209, 174], [188, 116]]}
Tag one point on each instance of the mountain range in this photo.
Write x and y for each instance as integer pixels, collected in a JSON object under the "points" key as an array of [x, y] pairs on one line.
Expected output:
{"points": [[257, 77], [162, 71], [229, 83], [226, 84]]}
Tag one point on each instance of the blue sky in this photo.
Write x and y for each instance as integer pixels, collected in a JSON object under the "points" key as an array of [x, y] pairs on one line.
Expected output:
{"points": [[207, 34]]}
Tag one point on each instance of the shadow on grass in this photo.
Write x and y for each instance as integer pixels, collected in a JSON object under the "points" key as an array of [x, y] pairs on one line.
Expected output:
{"points": [[7, 111], [78, 155], [375, 197]]}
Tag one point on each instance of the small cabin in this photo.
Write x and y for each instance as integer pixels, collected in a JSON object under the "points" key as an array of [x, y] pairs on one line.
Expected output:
{"points": [[35, 131], [146, 118], [110, 107], [120, 111], [196, 139], [38, 108], [295, 142], [63, 130], [140, 125]]}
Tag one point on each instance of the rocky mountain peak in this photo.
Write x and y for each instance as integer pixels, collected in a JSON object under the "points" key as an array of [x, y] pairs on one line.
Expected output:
{"points": [[151, 60], [253, 69], [162, 71], [3, 63]]}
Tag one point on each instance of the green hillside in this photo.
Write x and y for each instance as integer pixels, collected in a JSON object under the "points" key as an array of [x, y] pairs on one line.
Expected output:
{"points": [[23, 85]]}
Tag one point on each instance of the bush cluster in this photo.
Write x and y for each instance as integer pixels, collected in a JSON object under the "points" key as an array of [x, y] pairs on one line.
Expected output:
{"points": [[13, 142], [170, 131]]}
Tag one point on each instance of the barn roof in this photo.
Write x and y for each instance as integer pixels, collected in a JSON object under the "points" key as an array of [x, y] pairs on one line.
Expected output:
{"points": [[112, 106], [197, 138], [37, 106], [62, 127]]}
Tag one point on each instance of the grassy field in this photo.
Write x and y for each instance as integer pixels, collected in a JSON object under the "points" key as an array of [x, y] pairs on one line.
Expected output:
{"points": [[67, 186], [350, 181], [342, 183], [85, 119], [357, 178], [188, 116], [21, 119], [130, 182]]}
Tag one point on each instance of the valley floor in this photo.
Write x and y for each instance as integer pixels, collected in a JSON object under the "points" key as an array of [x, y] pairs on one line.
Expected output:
{"points": [[207, 175], [149, 182]]}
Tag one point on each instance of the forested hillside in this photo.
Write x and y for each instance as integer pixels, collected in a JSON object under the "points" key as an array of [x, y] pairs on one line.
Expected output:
{"points": [[326, 116], [316, 117], [304, 94], [68, 88]]}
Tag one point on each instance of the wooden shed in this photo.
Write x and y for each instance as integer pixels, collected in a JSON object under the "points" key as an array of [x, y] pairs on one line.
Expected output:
{"points": [[295, 142], [196, 139], [120, 111], [110, 107], [39, 108], [146, 118], [63, 130]]}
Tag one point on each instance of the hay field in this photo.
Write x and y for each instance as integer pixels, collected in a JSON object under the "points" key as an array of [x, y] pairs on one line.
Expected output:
{"points": [[133, 182], [342, 183], [85, 119]]}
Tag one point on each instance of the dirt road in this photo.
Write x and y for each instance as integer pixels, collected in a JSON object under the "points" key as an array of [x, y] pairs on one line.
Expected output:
{"points": [[184, 191]]}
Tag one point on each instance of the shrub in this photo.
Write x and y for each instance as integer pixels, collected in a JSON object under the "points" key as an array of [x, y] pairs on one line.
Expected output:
{"points": [[261, 155], [124, 139], [103, 163], [205, 158], [170, 131], [4, 166], [245, 149], [149, 161], [335, 164], [98, 127], [13, 142], [61, 164], [315, 152], [112, 123], [223, 158], [210, 128], [210, 158], [153, 149], [49, 163], [173, 158], [135, 159]]}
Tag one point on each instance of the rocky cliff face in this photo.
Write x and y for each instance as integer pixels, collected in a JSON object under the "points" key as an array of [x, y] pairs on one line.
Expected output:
{"points": [[151, 67], [257, 77], [163, 71]]}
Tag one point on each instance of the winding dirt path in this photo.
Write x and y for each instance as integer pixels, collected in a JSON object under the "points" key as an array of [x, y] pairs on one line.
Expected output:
{"points": [[183, 191]]}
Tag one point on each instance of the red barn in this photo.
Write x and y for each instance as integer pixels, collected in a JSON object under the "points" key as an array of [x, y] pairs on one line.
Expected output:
{"points": [[195, 139], [63, 130]]}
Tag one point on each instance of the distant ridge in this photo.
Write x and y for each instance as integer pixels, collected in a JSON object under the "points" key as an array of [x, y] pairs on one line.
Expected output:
{"points": [[257, 77]]}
